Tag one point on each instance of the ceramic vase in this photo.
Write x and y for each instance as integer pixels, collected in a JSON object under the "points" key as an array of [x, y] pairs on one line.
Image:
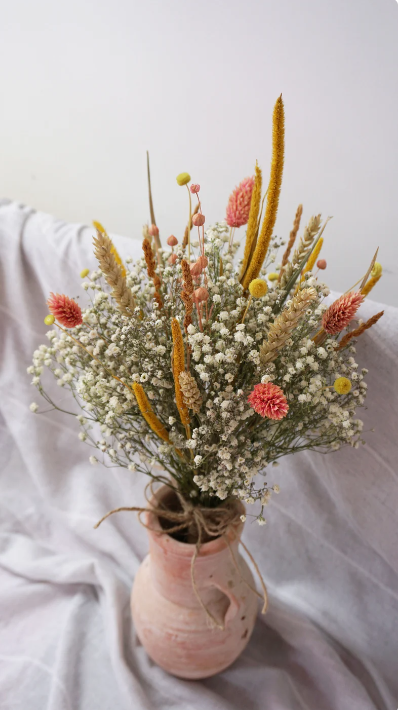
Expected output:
{"points": [[168, 617]]}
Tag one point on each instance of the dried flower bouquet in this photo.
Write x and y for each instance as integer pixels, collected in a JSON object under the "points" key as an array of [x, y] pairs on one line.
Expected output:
{"points": [[205, 368]]}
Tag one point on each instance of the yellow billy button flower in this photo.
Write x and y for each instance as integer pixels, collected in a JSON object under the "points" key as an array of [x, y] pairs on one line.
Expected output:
{"points": [[258, 288], [183, 178], [342, 385], [50, 319], [273, 276], [84, 273]]}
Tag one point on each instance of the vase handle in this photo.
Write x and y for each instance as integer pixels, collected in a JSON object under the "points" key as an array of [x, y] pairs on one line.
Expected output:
{"points": [[233, 607]]}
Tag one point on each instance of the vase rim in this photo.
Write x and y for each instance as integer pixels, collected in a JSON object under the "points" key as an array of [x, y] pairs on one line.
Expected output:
{"points": [[186, 548]]}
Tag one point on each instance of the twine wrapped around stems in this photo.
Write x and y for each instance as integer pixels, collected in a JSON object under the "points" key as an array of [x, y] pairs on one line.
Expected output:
{"points": [[214, 522]]}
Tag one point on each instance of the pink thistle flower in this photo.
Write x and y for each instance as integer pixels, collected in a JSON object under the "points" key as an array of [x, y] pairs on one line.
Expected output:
{"points": [[238, 207], [194, 189], [269, 401], [66, 311], [340, 313]]}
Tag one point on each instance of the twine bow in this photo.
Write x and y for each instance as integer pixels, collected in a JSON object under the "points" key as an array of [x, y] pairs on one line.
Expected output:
{"points": [[214, 522]]}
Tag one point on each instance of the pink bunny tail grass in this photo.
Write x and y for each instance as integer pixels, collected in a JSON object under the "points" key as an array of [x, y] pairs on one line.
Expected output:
{"points": [[67, 312], [238, 207], [341, 312], [269, 401]]}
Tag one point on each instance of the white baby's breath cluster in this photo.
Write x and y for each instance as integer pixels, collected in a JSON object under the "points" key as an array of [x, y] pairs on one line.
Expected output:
{"points": [[230, 448]]}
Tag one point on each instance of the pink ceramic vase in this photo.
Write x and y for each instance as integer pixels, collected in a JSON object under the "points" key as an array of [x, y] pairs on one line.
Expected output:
{"points": [[168, 617]]}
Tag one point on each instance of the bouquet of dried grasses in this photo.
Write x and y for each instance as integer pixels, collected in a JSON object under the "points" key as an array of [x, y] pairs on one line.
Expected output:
{"points": [[204, 367]]}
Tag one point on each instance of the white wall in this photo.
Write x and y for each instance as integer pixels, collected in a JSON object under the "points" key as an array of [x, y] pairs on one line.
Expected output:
{"points": [[88, 86]]}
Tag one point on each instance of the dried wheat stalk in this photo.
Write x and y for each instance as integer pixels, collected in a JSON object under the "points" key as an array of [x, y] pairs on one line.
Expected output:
{"points": [[285, 323], [113, 274], [292, 239], [303, 248], [358, 331]]}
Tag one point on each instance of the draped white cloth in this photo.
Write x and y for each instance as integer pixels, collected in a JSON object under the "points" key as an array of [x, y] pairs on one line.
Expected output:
{"points": [[329, 553]]}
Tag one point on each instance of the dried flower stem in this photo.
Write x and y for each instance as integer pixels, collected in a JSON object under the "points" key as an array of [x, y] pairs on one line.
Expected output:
{"points": [[185, 240], [247, 308], [358, 331], [372, 263], [178, 367], [274, 188], [104, 252], [292, 239], [151, 264], [285, 323], [251, 231], [186, 294], [158, 244], [189, 222]]}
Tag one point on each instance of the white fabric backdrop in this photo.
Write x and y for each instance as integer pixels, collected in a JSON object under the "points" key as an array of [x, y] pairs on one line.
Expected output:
{"points": [[328, 554]]}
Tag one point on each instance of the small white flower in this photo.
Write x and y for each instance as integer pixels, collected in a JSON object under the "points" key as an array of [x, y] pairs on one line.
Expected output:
{"points": [[198, 460], [261, 520], [33, 407], [216, 299], [265, 379], [93, 460], [243, 518], [132, 467], [276, 488]]}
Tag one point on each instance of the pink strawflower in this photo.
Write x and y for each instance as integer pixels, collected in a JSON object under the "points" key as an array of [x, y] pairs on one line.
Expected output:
{"points": [[238, 207], [66, 311], [340, 313], [194, 189], [269, 401]]}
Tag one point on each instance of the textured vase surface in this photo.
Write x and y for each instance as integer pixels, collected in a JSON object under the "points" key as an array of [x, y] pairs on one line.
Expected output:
{"points": [[169, 619]]}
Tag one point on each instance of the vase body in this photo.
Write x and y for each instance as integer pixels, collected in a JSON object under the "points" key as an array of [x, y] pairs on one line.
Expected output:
{"points": [[168, 617]]}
